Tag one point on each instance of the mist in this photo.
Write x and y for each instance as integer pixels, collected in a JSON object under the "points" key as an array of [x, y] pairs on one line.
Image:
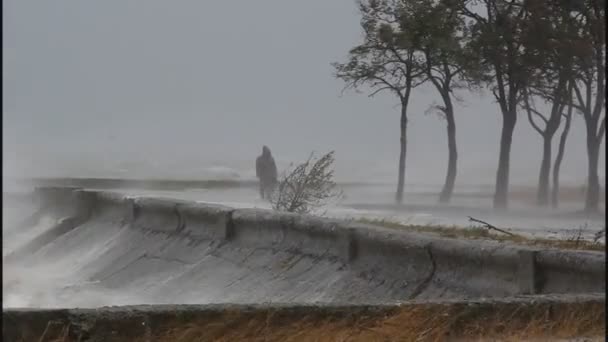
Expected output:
{"points": [[188, 89], [192, 90]]}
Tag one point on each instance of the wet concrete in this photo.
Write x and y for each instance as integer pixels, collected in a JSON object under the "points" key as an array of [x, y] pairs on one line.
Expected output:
{"points": [[91, 249]]}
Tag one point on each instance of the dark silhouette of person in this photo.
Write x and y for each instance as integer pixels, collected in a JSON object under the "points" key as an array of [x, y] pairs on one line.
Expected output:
{"points": [[266, 171]]}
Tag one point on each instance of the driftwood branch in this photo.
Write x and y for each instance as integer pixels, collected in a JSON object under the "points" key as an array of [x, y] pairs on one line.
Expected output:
{"points": [[489, 226]]}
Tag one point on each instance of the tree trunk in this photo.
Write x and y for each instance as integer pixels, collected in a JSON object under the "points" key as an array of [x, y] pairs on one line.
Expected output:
{"points": [[558, 160], [502, 175], [448, 187], [542, 196], [402, 152], [593, 182]]}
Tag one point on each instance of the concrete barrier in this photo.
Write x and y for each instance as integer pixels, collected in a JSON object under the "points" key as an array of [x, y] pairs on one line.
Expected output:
{"points": [[301, 234], [376, 262], [157, 215], [112, 206], [204, 221], [570, 271]]}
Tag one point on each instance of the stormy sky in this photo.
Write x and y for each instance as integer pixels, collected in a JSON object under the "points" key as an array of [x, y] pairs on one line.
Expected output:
{"points": [[173, 88]]}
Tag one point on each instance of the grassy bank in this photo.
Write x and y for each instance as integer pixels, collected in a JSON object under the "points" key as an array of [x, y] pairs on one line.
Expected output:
{"points": [[519, 322], [521, 319], [575, 241]]}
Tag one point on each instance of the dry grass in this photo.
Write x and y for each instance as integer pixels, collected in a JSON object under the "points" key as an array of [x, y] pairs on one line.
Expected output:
{"points": [[419, 322], [573, 242], [515, 322]]}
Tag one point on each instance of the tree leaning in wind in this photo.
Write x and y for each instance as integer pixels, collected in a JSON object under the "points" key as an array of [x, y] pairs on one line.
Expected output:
{"points": [[439, 35], [500, 32], [590, 86], [570, 37], [552, 83], [385, 62]]}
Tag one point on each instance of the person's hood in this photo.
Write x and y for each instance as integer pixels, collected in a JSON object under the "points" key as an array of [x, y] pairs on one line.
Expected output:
{"points": [[265, 151]]}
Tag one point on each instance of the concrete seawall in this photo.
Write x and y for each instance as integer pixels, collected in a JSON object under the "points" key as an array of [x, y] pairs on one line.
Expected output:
{"points": [[123, 250]]}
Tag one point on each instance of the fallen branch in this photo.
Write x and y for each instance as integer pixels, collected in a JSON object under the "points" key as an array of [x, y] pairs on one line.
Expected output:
{"points": [[489, 226], [599, 235]]}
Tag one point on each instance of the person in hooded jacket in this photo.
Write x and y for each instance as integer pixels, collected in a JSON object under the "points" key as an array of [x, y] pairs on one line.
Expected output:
{"points": [[266, 172]]}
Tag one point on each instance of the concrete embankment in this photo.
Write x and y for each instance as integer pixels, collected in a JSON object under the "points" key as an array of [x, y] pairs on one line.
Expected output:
{"points": [[97, 248], [538, 318]]}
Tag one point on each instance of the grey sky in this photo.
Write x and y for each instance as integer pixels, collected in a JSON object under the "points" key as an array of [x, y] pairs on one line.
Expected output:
{"points": [[187, 85]]}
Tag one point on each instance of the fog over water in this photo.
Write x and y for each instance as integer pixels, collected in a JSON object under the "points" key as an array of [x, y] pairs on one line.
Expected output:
{"points": [[193, 89], [188, 89]]}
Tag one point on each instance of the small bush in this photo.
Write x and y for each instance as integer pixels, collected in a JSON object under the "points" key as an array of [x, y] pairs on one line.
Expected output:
{"points": [[307, 186]]}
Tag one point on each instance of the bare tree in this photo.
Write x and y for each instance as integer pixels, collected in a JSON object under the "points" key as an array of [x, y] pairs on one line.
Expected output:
{"points": [[384, 63], [306, 187]]}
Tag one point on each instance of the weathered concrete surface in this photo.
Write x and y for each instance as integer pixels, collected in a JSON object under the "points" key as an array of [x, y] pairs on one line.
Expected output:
{"points": [[107, 249], [538, 318]]}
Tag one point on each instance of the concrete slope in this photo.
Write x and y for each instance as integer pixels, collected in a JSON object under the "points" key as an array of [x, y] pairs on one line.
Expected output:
{"points": [[108, 249]]}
